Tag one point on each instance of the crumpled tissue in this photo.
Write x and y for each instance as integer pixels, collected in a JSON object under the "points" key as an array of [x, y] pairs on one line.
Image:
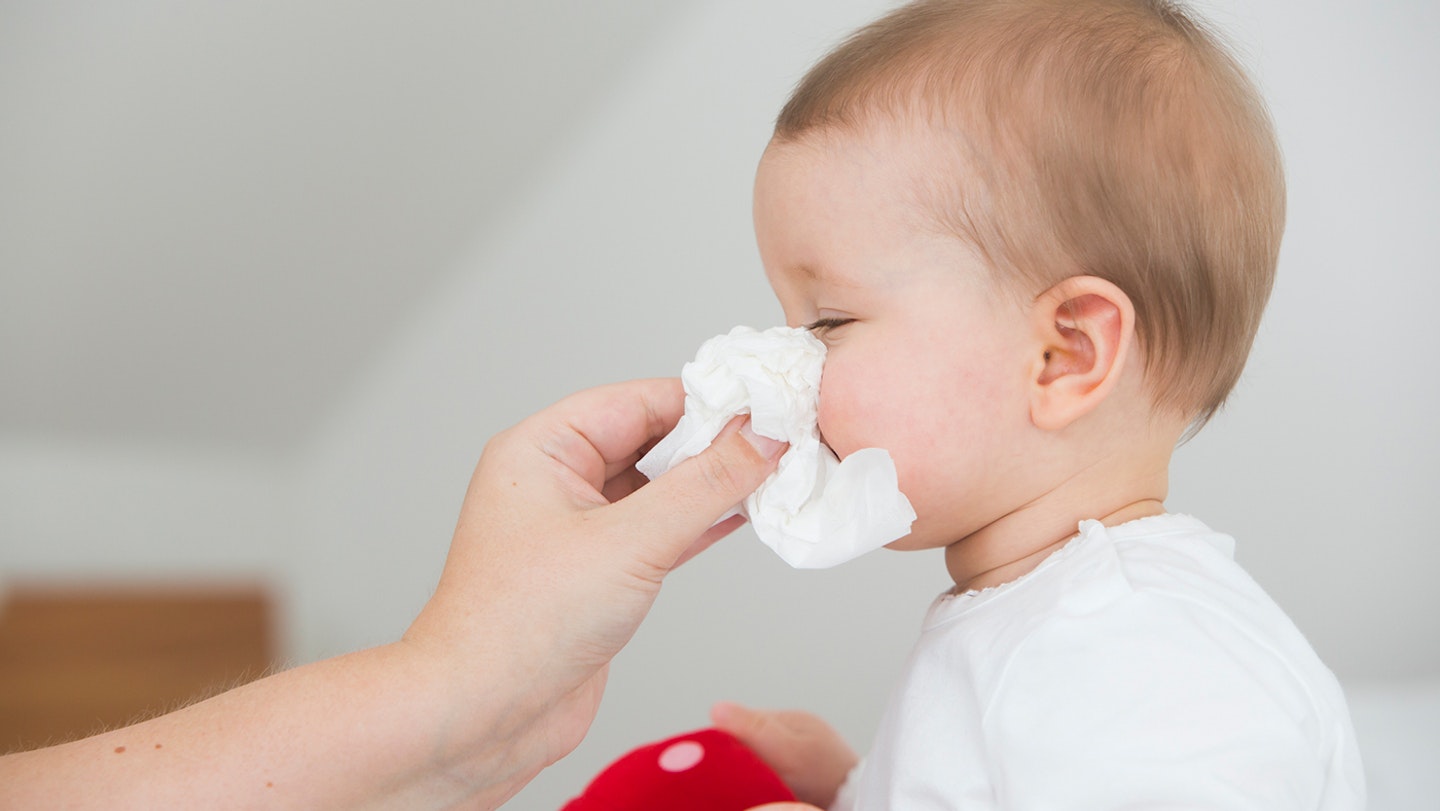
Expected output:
{"points": [[814, 510]]}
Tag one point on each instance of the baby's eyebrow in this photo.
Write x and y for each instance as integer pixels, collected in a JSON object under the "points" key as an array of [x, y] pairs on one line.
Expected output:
{"points": [[811, 273]]}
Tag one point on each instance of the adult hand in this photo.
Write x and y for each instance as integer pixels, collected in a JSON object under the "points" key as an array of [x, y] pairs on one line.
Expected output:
{"points": [[560, 552]]}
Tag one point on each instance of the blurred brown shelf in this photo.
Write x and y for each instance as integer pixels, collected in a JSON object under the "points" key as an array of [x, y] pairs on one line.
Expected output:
{"points": [[75, 660]]}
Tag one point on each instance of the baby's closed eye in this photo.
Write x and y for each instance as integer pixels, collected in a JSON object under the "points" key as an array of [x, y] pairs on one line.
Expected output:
{"points": [[825, 324]]}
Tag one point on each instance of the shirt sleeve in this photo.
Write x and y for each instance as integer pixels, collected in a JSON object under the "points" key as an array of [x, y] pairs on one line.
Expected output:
{"points": [[1152, 703]]}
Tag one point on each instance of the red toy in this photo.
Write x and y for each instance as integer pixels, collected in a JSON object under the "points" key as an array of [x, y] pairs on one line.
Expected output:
{"points": [[706, 770]]}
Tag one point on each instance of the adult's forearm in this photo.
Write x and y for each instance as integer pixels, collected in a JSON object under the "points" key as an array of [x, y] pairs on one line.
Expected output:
{"points": [[373, 729], [557, 556]]}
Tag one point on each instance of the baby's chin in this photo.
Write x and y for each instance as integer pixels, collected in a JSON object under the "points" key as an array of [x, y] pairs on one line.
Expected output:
{"points": [[915, 542]]}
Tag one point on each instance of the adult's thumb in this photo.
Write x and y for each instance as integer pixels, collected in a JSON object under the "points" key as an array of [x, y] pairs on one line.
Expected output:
{"points": [[675, 509]]}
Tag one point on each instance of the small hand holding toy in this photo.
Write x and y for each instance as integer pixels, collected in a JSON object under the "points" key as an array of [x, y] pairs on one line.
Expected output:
{"points": [[706, 770]]}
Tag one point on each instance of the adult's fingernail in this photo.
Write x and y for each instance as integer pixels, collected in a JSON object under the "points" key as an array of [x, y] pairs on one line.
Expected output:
{"points": [[764, 445]]}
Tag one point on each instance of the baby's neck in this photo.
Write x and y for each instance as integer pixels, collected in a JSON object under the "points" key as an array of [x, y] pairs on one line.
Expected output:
{"points": [[1111, 467], [1013, 546]]}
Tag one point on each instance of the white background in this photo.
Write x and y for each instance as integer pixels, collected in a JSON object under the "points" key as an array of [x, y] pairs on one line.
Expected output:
{"points": [[223, 357]]}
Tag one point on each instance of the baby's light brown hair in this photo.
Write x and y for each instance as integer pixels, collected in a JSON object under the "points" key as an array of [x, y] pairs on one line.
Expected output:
{"points": [[1116, 138]]}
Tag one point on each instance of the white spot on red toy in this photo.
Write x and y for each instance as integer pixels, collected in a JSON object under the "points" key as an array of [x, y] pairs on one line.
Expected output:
{"points": [[682, 756]]}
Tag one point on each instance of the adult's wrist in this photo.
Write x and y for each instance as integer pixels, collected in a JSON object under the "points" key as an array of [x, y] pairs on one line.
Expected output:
{"points": [[474, 742], [487, 695]]}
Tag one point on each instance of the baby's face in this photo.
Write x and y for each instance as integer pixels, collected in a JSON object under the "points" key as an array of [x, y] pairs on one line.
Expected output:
{"points": [[927, 358]]}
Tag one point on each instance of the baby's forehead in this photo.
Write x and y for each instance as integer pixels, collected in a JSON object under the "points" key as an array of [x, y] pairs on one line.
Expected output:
{"points": [[834, 209], [906, 157], [917, 169]]}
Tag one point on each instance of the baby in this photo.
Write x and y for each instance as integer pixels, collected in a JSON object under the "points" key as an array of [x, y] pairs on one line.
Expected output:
{"points": [[1037, 237]]}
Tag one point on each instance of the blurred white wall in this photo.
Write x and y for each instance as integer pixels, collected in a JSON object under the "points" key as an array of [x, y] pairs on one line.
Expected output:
{"points": [[101, 511], [631, 243]]}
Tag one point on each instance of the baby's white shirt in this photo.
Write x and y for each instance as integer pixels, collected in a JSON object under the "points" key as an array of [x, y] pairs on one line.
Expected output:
{"points": [[1137, 667]]}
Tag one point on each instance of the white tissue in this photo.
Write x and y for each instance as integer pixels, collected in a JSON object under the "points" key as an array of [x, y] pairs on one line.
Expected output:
{"points": [[815, 511]]}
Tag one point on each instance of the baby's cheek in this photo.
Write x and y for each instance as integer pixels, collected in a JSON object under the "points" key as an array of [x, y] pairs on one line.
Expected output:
{"points": [[852, 418], [845, 424], [832, 430]]}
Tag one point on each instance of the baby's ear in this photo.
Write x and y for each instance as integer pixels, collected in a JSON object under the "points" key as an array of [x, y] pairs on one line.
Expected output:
{"points": [[1083, 329]]}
